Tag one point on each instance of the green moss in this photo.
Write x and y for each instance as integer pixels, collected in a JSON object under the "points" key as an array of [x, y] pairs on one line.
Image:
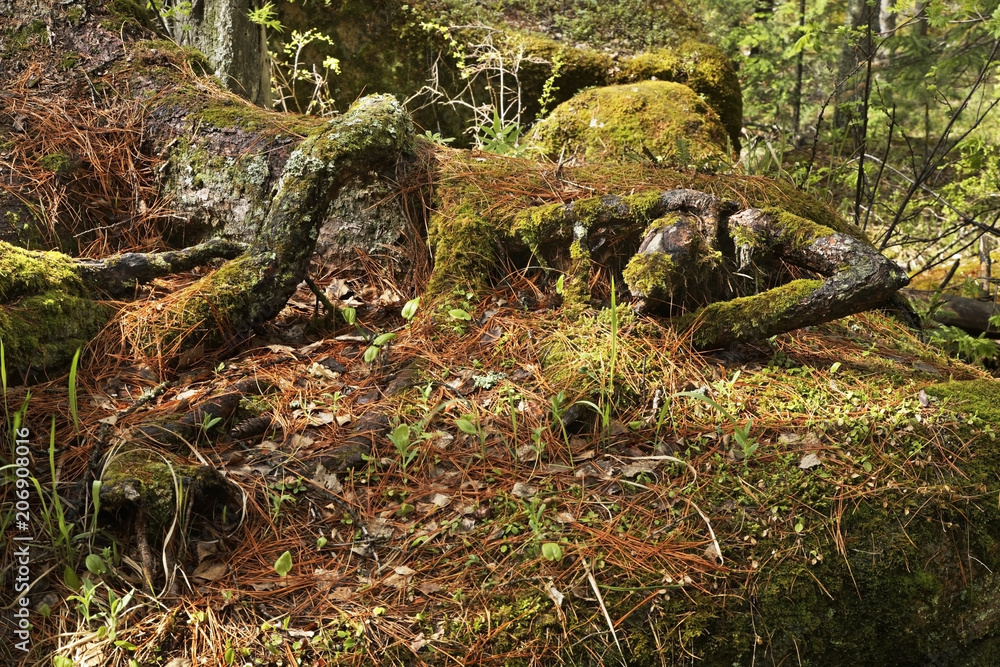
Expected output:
{"points": [[463, 246], [43, 331], [653, 119], [748, 318], [976, 397], [129, 12], [147, 481], [25, 272], [654, 275], [231, 113], [704, 69], [59, 163], [75, 15], [68, 61]]}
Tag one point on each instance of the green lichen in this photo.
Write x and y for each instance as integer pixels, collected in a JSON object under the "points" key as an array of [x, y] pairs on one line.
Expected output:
{"points": [[659, 120], [748, 318]]}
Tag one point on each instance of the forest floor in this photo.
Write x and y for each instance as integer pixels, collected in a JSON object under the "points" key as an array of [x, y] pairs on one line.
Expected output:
{"points": [[488, 514]]}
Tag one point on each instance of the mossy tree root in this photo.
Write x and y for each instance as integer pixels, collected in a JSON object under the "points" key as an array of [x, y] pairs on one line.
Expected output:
{"points": [[255, 286], [856, 278], [695, 255], [118, 275]]}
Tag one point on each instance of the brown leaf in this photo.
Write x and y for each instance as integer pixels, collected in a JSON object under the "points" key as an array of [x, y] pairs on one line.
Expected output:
{"points": [[210, 570]]}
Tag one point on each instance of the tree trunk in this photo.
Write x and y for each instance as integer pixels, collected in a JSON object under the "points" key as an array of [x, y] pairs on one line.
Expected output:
{"points": [[972, 315]]}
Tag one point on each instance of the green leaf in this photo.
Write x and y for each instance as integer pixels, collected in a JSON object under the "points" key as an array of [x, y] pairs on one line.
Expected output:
{"points": [[466, 426], [128, 646], [229, 656], [59, 661], [321, 542], [560, 284], [382, 339], [95, 564], [552, 551], [284, 564], [401, 436], [350, 315], [410, 308], [835, 367], [867, 465], [459, 314], [70, 579], [371, 353], [799, 527]]}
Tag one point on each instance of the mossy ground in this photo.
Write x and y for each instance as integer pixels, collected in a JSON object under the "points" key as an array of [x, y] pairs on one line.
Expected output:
{"points": [[858, 555]]}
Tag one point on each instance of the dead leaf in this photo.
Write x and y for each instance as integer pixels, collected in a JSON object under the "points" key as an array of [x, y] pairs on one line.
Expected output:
{"points": [[524, 491], [311, 347], [557, 598], [327, 480], [188, 359], [263, 586], [318, 370], [341, 594], [429, 588], [441, 500], [337, 288], [922, 397], [810, 460], [638, 468], [210, 570], [321, 418], [296, 442], [206, 549], [401, 577]]}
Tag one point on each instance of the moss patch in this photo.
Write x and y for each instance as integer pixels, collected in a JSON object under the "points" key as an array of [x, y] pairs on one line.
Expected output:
{"points": [[145, 481], [704, 69], [44, 331], [659, 120], [59, 163], [975, 397]]}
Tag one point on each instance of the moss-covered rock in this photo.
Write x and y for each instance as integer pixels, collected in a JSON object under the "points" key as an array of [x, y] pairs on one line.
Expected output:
{"points": [[659, 120], [46, 316], [704, 69], [160, 487]]}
